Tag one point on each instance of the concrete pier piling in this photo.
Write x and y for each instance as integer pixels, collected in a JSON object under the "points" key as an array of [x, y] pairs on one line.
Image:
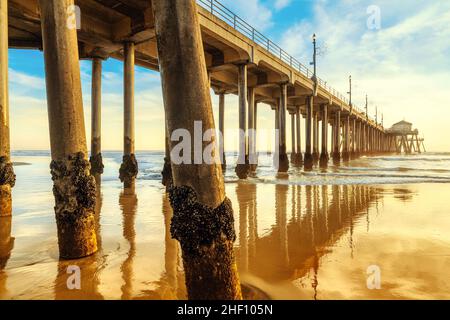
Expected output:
{"points": [[251, 129], [346, 141], [353, 154], [337, 137], [324, 156], [96, 159], [294, 157], [315, 153], [299, 159], [308, 160], [129, 168], [167, 179], [242, 167], [7, 176], [73, 186], [254, 161], [283, 161], [222, 131], [203, 215]]}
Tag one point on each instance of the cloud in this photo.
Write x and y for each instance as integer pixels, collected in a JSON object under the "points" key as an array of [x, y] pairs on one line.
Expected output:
{"points": [[281, 4], [403, 66], [253, 12], [23, 79]]}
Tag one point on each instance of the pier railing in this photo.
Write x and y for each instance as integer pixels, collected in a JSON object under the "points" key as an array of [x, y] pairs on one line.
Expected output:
{"points": [[233, 20]]}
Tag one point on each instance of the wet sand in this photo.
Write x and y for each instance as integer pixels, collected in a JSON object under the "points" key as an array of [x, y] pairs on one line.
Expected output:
{"points": [[293, 242]]}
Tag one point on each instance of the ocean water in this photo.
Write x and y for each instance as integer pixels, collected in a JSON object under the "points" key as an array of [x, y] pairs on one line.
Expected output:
{"points": [[304, 235], [386, 169]]}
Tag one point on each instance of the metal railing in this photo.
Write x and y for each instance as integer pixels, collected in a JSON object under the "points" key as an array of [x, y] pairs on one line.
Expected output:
{"points": [[226, 15]]}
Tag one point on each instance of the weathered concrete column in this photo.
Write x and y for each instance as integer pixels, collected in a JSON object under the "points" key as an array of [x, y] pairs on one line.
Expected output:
{"points": [[353, 145], [167, 179], [324, 157], [96, 118], [283, 164], [129, 168], [358, 139], [346, 148], [308, 160], [251, 129], [315, 154], [333, 135], [73, 186], [222, 130], [337, 138], [242, 167], [299, 141], [203, 216], [368, 139], [293, 138], [7, 176], [365, 139], [254, 161]]}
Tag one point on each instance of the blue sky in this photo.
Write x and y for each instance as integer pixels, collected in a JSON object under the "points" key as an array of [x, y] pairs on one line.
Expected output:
{"points": [[404, 67]]}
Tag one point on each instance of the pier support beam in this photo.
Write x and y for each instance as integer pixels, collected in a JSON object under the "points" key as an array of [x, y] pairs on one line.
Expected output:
{"points": [[242, 167], [298, 115], [293, 138], [358, 138], [73, 186], [353, 154], [7, 176], [251, 130], [337, 138], [222, 131], [346, 147], [254, 161], [315, 153], [129, 167], [96, 119], [308, 160], [167, 179], [324, 157], [203, 215], [283, 160]]}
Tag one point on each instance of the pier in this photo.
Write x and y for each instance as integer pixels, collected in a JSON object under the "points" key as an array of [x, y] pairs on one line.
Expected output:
{"points": [[196, 46], [405, 139]]}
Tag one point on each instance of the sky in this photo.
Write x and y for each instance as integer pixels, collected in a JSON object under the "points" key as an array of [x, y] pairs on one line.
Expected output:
{"points": [[398, 53]]}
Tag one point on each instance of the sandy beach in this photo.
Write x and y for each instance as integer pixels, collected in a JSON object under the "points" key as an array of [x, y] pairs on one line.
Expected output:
{"points": [[294, 240]]}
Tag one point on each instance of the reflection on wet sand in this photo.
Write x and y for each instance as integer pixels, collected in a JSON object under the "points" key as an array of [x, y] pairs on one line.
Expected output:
{"points": [[293, 242], [172, 281], [292, 249], [128, 205]]}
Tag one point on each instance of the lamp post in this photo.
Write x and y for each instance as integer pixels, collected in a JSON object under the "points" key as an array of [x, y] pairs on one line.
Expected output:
{"points": [[350, 91], [314, 63], [367, 107]]}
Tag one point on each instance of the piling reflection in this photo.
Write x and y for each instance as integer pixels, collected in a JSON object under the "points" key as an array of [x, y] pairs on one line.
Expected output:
{"points": [[309, 220], [128, 205], [247, 233], [172, 280]]}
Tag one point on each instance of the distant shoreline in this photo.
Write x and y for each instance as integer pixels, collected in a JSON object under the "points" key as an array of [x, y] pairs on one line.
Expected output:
{"points": [[21, 164]]}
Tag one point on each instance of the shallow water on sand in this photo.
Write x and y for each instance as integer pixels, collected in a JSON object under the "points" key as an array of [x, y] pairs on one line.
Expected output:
{"points": [[306, 236]]}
